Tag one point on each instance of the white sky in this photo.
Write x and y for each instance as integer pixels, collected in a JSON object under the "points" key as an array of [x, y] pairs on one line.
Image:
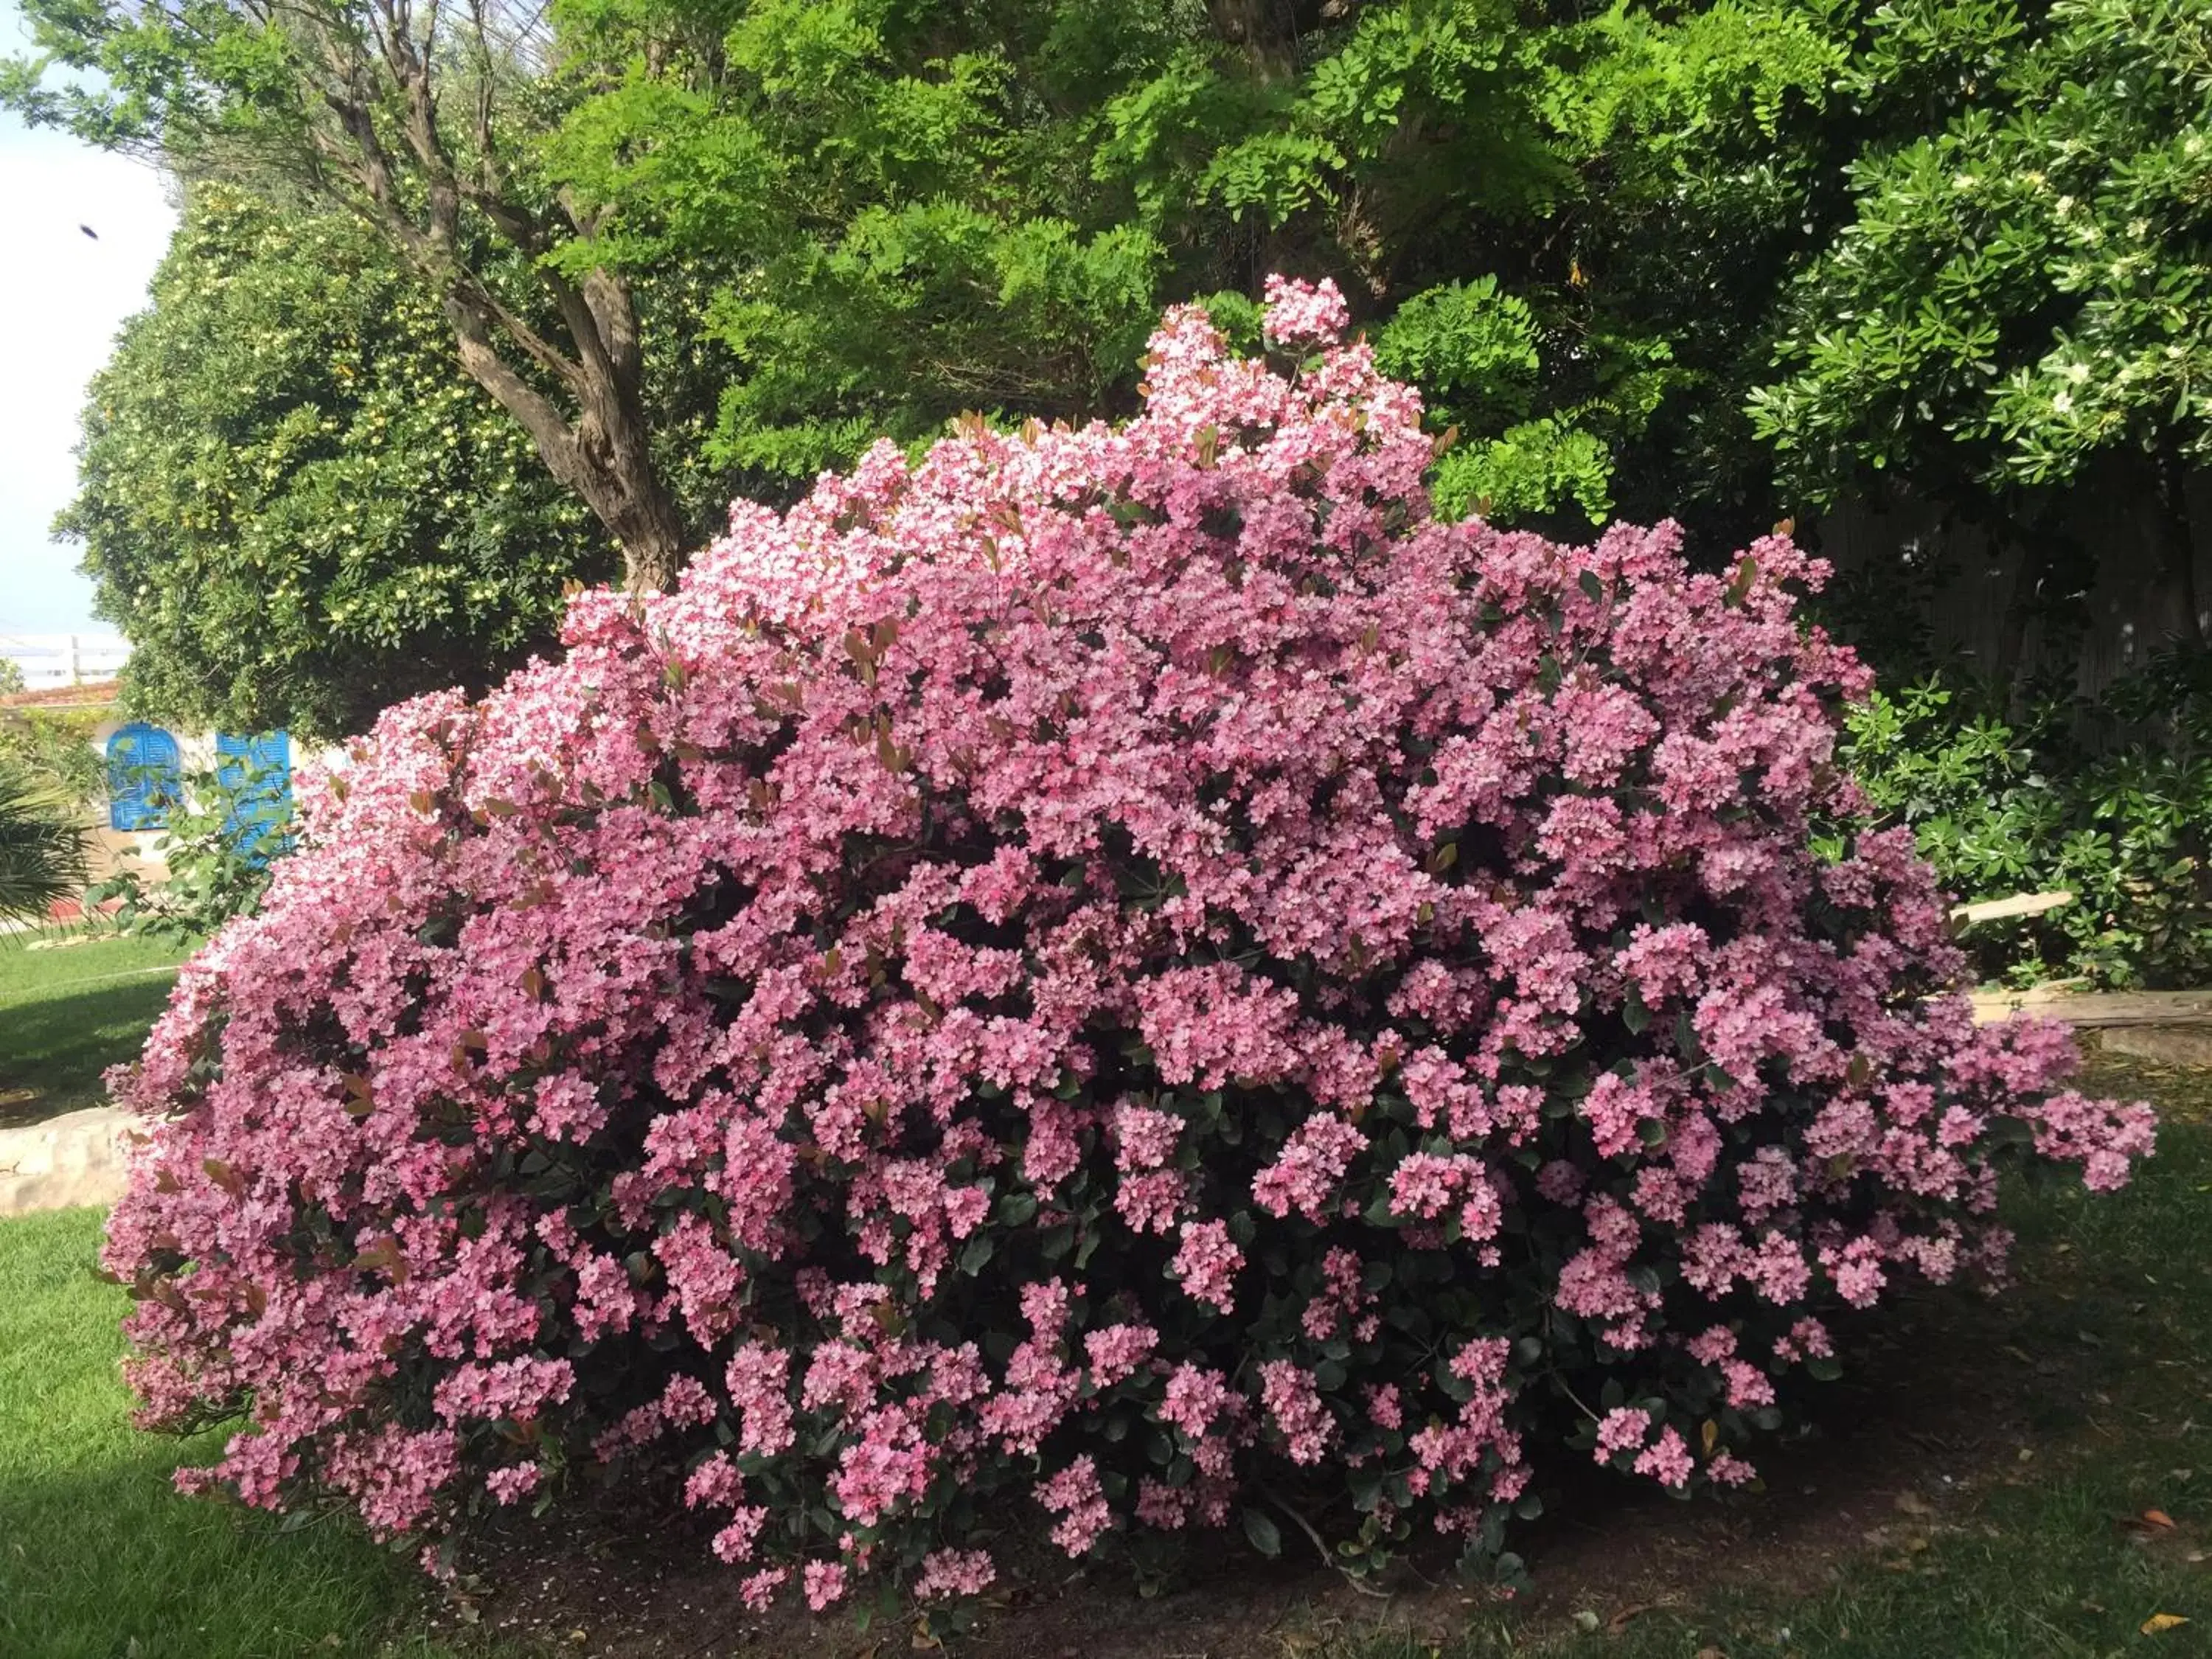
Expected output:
{"points": [[63, 295]]}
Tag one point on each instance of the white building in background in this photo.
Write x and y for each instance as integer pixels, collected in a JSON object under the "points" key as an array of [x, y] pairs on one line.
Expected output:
{"points": [[49, 661]]}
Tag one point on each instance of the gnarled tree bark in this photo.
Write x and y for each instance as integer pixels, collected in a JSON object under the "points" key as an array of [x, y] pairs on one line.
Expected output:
{"points": [[577, 389]]}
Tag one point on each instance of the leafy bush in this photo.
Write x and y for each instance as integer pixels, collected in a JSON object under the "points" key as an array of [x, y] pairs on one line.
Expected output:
{"points": [[289, 500], [1131, 969], [217, 853], [57, 747], [2112, 803]]}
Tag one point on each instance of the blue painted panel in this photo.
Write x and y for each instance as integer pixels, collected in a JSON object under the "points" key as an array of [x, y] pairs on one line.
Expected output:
{"points": [[256, 772], [145, 777]]}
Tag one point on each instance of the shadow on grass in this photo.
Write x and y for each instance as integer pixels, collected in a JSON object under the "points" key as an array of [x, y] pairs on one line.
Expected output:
{"points": [[100, 1557], [57, 1043], [113, 1561]]}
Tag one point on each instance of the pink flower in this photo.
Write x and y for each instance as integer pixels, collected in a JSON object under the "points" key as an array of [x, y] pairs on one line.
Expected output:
{"points": [[948, 1573], [1666, 1459], [1148, 1138], [1165, 1507], [1296, 1410], [1623, 1430], [513, 1482], [1384, 1406], [1117, 1350], [1155, 876], [1074, 1495], [1206, 1262], [1728, 1470], [734, 1542], [714, 1484], [1306, 1176], [825, 1584], [1195, 1399], [1304, 314]]}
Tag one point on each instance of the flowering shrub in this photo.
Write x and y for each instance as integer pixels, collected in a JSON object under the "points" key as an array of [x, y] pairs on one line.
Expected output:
{"points": [[1129, 969]]}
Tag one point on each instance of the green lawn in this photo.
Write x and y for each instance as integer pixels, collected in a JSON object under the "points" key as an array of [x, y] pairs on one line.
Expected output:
{"points": [[70, 1010], [99, 1558]]}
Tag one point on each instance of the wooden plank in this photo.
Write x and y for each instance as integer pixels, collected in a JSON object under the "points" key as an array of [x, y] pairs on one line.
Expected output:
{"points": [[2098, 1010], [2020, 904]]}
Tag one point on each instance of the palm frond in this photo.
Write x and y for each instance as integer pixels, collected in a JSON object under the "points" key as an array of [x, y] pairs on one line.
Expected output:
{"points": [[45, 849]]}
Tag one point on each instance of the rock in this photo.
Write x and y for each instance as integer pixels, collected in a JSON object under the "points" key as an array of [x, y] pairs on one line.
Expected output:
{"points": [[75, 1159]]}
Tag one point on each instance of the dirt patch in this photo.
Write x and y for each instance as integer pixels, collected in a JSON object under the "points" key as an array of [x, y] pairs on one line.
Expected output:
{"points": [[1935, 1409], [19, 1107], [1947, 1394]]}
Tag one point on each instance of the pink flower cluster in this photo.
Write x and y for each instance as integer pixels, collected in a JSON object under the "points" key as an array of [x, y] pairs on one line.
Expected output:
{"points": [[1103, 968]]}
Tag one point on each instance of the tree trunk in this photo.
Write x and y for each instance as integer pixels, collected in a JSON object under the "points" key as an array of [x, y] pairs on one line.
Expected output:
{"points": [[2177, 540], [1266, 30], [615, 475], [603, 453], [2033, 561], [598, 445]]}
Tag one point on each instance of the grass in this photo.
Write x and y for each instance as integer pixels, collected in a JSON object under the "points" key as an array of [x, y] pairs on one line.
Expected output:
{"points": [[70, 1010], [99, 1558]]}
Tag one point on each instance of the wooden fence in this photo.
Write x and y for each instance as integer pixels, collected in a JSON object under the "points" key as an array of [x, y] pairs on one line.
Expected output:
{"points": [[1993, 593]]}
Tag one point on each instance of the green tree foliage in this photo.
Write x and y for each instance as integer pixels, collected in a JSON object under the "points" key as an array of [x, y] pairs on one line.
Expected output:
{"points": [[887, 213], [291, 503], [1710, 142], [426, 123], [1590, 232], [2024, 286], [55, 749], [935, 208], [2007, 800]]}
